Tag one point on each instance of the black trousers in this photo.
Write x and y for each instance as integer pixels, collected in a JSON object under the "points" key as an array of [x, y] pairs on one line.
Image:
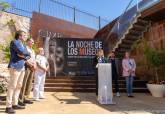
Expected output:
{"points": [[96, 76], [115, 80]]}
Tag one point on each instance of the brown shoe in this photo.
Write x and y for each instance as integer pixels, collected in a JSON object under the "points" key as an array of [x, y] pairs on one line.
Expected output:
{"points": [[28, 102], [17, 107], [21, 103]]}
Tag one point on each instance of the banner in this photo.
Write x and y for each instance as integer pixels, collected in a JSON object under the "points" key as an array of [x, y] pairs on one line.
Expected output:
{"points": [[73, 56]]}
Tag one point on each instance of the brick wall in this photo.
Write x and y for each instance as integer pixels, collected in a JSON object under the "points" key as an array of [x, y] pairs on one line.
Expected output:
{"points": [[156, 38]]}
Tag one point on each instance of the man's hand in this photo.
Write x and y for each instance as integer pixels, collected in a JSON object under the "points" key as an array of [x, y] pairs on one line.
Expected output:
{"points": [[21, 56], [129, 71], [47, 69], [44, 69], [31, 64]]}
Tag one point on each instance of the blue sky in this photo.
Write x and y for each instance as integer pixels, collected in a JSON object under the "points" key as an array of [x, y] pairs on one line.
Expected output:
{"points": [[108, 9]]}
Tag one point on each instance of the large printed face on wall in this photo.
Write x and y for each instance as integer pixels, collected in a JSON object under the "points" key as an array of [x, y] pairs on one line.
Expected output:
{"points": [[56, 55], [53, 51]]}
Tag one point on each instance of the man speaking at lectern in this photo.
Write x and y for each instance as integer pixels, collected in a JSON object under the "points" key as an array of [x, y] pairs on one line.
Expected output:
{"points": [[115, 71]]}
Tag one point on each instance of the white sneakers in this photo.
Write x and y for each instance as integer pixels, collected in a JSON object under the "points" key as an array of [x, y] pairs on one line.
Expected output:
{"points": [[42, 97], [118, 94], [36, 99]]}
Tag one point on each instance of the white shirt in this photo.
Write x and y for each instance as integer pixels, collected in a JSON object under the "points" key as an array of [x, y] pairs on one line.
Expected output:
{"points": [[31, 51], [42, 61]]}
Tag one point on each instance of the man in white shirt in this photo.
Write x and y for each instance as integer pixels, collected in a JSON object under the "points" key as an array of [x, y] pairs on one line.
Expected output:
{"points": [[40, 74]]}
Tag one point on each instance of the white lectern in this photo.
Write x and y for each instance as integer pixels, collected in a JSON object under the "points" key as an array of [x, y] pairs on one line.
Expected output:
{"points": [[105, 93]]}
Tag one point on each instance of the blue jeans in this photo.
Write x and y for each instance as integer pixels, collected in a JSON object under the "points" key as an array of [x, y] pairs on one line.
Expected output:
{"points": [[129, 84]]}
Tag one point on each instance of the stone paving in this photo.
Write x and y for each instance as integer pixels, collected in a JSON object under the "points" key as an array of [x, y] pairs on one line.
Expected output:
{"points": [[86, 103]]}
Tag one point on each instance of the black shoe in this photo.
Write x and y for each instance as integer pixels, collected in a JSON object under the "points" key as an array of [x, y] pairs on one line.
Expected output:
{"points": [[10, 110], [21, 103], [130, 96], [28, 102], [18, 107]]}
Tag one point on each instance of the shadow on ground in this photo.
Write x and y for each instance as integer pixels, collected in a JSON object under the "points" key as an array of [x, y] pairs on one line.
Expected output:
{"points": [[140, 104]]}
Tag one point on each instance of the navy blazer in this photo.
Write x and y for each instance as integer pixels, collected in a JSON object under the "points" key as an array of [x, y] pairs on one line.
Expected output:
{"points": [[18, 48]]}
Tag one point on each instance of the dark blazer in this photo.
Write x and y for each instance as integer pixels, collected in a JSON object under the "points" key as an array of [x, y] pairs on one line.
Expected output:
{"points": [[116, 64], [95, 61], [18, 48]]}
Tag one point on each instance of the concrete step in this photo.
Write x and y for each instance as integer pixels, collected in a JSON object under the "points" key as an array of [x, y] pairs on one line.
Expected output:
{"points": [[70, 89], [82, 78], [121, 50], [142, 22], [80, 81], [122, 85], [124, 46], [69, 81], [127, 42], [131, 37], [138, 27], [135, 32], [71, 77], [136, 82], [83, 84]]}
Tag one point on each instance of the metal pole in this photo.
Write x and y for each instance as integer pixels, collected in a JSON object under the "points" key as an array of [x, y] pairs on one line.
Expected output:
{"points": [[39, 6], [118, 27], [137, 5], [74, 15], [99, 22]]}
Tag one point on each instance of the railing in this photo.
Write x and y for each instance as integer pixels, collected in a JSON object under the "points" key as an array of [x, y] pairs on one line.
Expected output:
{"points": [[56, 9], [129, 15]]}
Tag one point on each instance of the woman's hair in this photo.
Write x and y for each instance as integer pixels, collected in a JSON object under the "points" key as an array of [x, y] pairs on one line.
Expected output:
{"points": [[18, 33]]}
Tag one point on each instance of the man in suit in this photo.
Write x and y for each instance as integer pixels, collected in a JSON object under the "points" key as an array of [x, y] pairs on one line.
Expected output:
{"points": [[115, 71], [19, 55]]}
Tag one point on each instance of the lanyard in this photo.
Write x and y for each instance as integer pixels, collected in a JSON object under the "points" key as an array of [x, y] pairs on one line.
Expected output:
{"points": [[130, 63], [100, 59]]}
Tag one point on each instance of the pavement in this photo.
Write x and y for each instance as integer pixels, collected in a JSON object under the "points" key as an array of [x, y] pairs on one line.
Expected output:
{"points": [[86, 103]]}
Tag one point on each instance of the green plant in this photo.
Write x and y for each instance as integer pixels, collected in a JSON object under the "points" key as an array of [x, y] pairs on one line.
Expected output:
{"points": [[3, 86], [6, 52], [156, 59], [4, 5], [136, 44]]}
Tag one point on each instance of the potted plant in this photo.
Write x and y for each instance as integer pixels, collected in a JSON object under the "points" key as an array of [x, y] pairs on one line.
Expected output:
{"points": [[156, 60]]}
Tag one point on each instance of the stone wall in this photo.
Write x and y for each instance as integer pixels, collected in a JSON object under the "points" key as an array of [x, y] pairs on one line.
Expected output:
{"points": [[8, 24]]}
